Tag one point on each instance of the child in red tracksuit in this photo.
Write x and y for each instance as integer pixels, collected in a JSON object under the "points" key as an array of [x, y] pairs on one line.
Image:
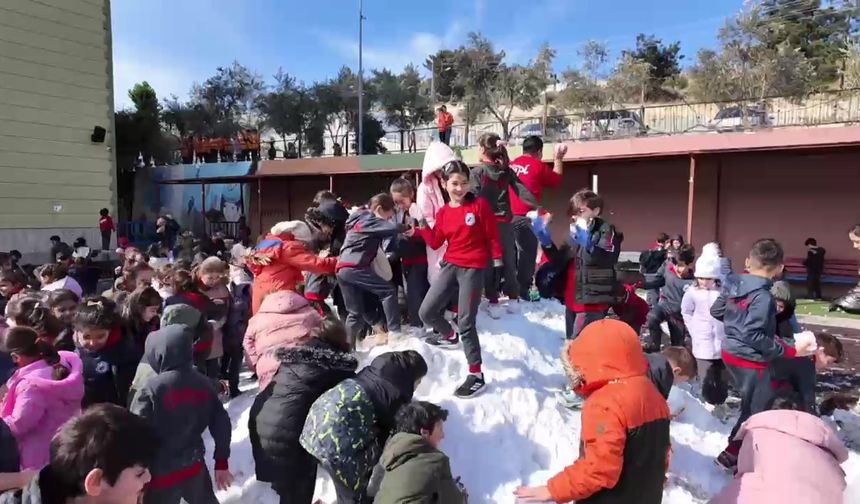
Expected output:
{"points": [[468, 225]]}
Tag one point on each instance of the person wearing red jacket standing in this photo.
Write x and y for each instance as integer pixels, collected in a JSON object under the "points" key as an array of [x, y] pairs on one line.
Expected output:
{"points": [[106, 227], [468, 225], [536, 176]]}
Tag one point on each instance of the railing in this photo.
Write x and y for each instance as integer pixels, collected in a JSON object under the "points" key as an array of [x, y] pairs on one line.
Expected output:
{"points": [[831, 107], [139, 233], [230, 229]]}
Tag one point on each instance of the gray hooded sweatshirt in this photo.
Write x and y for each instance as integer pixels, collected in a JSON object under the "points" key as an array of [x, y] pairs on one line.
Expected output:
{"points": [[493, 183], [181, 403]]}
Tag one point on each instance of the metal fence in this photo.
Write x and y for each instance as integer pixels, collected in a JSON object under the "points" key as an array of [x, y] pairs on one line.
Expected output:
{"points": [[832, 107]]}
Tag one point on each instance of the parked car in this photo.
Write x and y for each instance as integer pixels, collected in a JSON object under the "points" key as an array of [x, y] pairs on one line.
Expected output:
{"points": [[555, 133], [732, 119], [612, 124]]}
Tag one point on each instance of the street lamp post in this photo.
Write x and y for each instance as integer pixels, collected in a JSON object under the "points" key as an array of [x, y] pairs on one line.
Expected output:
{"points": [[360, 143]]}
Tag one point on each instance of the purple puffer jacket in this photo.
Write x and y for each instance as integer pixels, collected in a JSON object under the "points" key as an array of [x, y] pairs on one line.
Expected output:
{"points": [[36, 406]]}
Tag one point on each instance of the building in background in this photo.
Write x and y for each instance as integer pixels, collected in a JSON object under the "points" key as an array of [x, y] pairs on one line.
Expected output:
{"points": [[57, 165]]}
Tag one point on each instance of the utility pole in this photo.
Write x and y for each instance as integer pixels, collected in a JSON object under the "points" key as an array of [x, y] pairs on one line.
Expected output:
{"points": [[359, 144], [432, 81]]}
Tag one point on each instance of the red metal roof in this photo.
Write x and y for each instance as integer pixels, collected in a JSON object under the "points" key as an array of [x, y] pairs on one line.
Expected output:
{"points": [[703, 143]]}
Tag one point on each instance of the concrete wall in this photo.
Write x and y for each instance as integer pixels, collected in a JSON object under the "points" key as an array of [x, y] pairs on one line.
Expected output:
{"points": [[55, 86], [790, 197], [739, 198]]}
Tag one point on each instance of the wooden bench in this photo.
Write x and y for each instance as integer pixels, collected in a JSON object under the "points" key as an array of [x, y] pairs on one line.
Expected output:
{"points": [[836, 271]]}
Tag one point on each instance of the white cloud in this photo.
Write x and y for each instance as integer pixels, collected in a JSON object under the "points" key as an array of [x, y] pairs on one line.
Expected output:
{"points": [[398, 54], [166, 80]]}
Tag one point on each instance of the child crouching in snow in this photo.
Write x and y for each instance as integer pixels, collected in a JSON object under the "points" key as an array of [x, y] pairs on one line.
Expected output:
{"points": [[786, 457], [306, 371], [673, 366], [468, 226], [181, 403], [624, 446], [415, 469], [798, 375], [348, 425]]}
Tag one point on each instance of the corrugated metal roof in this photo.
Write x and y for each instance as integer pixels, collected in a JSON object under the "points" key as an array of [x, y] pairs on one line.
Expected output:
{"points": [[707, 143]]}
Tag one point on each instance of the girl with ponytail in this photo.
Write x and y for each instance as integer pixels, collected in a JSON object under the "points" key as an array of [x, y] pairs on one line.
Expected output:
{"points": [[44, 392], [494, 180]]}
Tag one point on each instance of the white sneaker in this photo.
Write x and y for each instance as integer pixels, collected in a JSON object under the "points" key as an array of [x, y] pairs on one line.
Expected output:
{"points": [[494, 310], [514, 306]]}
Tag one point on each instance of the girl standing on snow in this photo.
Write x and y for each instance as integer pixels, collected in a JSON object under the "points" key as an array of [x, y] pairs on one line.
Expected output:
{"points": [[42, 395], [493, 180], [706, 332], [468, 226]]}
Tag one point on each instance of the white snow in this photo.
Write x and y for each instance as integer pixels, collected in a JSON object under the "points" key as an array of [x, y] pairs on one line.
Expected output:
{"points": [[515, 433]]}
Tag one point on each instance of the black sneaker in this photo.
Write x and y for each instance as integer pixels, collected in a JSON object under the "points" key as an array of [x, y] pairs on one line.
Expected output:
{"points": [[473, 386], [440, 341]]}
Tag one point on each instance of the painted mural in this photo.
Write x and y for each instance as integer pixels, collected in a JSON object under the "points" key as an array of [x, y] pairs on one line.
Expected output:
{"points": [[192, 205]]}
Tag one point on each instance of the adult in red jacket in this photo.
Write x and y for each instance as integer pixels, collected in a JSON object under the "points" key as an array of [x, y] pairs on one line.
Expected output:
{"points": [[536, 176], [278, 262]]}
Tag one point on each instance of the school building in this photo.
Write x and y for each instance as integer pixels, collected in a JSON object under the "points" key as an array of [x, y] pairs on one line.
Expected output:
{"points": [[789, 184], [56, 122]]}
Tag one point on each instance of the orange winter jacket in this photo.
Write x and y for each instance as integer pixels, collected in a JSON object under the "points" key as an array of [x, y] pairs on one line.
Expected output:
{"points": [[624, 443], [444, 120], [278, 263]]}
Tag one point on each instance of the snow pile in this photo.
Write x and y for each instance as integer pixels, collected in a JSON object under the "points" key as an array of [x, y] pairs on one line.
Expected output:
{"points": [[515, 432]]}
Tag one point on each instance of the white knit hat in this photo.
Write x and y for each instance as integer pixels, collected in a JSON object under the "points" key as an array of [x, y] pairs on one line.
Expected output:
{"points": [[712, 249], [707, 266], [298, 229]]}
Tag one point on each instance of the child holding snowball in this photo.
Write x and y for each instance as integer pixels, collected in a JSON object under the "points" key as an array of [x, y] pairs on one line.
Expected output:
{"points": [[748, 311]]}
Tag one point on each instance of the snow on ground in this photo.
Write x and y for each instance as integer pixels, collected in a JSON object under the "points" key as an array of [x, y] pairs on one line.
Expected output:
{"points": [[515, 433]]}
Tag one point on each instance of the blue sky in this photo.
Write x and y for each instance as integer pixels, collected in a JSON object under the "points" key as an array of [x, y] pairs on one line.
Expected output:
{"points": [[174, 43]]}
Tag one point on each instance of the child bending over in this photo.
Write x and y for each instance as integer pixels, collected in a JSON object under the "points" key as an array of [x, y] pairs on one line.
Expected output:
{"points": [[416, 470]]}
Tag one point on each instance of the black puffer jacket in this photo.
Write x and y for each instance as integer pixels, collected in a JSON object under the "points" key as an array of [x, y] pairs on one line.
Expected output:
{"points": [[597, 252], [304, 374]]}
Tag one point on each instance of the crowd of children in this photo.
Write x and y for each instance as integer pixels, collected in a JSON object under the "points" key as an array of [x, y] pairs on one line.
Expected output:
{"points": [[106, 397]]}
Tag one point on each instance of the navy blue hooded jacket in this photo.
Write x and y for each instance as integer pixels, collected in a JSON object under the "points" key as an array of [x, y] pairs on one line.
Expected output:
{"points": [[748, 312]]}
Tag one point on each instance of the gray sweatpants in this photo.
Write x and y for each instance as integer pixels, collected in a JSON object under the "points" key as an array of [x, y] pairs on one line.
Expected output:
{"points": [[438, 297], [195, 490], [354, 283], [509, 268], [416, 290], [527, 247]]}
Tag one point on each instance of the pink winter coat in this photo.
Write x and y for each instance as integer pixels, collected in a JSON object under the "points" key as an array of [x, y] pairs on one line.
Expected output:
{"points": [[36, 406], [706, 332], [285, 320], [429, 198], [787, 457]]}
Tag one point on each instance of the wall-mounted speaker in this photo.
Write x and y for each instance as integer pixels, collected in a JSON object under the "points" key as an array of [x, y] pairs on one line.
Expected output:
{"points": [[98, 135]]}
